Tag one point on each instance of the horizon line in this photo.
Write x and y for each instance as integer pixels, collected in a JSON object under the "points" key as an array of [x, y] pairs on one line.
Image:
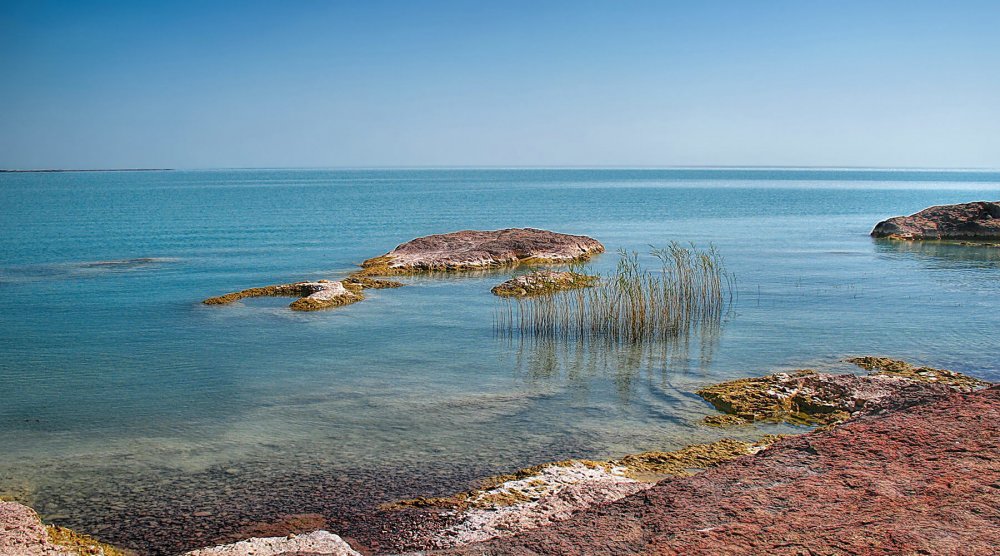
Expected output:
{"points": [[527, 167]]}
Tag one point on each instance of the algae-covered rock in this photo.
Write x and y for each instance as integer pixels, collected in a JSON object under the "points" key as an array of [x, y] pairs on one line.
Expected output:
{"points": [[895, 367], [79, 544], [543, 282], [681, 463], [313, 296], [809, 398], [368, 283], [476, 249]]}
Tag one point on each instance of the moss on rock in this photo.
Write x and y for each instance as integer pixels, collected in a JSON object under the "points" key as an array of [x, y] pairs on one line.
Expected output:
{"points": [[893, 367], [80, 544], [542, 282], [806, 397], [313, 296]]}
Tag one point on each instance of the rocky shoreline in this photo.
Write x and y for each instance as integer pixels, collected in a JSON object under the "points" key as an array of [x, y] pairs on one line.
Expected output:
{"points": [[916, 476], [899, 443]]}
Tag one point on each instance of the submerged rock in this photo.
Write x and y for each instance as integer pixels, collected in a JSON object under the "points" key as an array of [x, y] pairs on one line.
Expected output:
{"points": [[808, 397], [317, 543], [313, 296], [474, 249], [976, 221], [542, 282]]}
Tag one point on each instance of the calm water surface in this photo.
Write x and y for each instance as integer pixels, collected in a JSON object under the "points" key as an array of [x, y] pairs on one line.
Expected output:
{"points": [[120, 390]]}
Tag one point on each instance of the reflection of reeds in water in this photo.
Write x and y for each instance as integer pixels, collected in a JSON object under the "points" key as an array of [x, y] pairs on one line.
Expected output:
{"points": [[691, 290], [578, 363]]}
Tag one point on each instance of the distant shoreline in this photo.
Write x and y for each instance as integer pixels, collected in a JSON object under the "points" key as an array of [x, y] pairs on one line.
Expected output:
{"points": [[94, 170]]}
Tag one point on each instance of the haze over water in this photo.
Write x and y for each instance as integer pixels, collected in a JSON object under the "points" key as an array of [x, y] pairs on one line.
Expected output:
{"points": [[121, 391]]}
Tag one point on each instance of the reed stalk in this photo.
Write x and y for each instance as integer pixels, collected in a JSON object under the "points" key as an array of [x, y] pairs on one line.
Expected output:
{"points": [[690, 289]]}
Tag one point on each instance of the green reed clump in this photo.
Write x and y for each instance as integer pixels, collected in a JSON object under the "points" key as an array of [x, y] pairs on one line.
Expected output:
{"points": [[690, 289]]}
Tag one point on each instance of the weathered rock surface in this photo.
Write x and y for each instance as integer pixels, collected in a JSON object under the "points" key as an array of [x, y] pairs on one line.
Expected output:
{"points": [[544, 494], [317, 543], [474, 250], [917, 480], [543, 282], [971, 221], [313, 296], [23, 534], [808, 397]]}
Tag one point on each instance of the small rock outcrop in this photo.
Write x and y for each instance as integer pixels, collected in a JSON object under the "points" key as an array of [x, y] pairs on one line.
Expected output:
{"points": [[809, 398], [466, 250], [967, 221], [476, 250], [543, 282], [317, 543], [313, 296]]}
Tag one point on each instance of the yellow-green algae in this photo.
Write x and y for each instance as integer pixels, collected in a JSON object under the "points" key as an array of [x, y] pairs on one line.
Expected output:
{"points": [[367, 283], [894, 367], [382, 265], [756, 399], [543, 282], [645, 466], [776, 398], [353, 284], [80, 544], [297, 289], [681, 463]]}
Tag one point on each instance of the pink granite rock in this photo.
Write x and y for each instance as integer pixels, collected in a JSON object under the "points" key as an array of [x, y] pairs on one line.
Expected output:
{"points": [[970, 221], [473, 249]]}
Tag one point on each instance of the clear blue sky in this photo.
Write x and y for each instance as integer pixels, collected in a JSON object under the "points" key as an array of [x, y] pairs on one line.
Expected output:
{"points": [[507, 83]]}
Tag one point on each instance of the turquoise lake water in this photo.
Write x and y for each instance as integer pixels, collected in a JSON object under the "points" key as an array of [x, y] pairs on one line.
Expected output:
{"points": [[120, 391]]}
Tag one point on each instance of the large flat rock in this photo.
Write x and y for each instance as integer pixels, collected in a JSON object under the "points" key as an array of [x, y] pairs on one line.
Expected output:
{"points": [[967, 221], [476, 249], [920, 479]]}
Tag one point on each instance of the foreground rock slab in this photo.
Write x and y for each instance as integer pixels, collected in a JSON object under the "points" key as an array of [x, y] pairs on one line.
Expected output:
{"points": [[920, 477], [967, 221], [476, 250], [317, 543], [23, 534], [543, 282]]}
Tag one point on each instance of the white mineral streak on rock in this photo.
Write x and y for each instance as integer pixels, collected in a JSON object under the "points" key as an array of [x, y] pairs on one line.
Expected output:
{"points": [[318, 542], [326, 291], [554, 494]]}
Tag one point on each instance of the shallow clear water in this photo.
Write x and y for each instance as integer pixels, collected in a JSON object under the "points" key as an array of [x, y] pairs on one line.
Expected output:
{"points": [[115, 373]]}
